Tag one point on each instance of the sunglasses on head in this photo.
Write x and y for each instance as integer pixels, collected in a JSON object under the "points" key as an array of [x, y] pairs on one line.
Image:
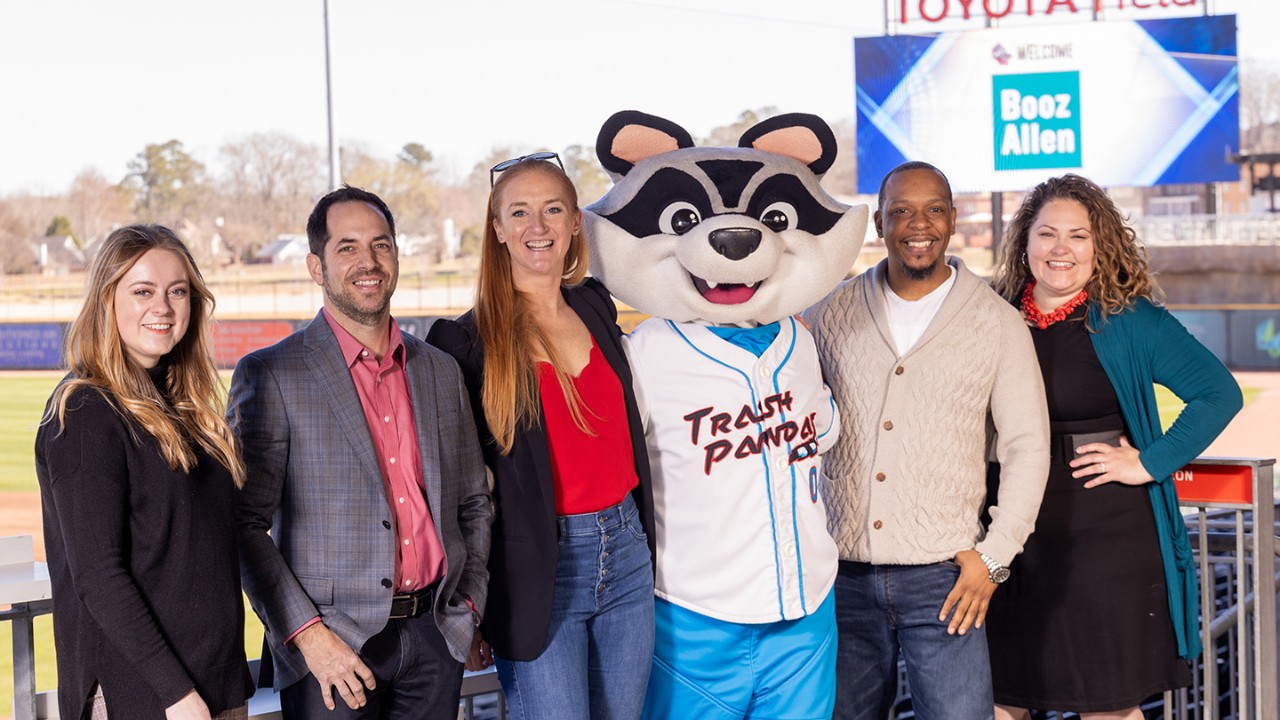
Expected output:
{"points": [[508, 164]]}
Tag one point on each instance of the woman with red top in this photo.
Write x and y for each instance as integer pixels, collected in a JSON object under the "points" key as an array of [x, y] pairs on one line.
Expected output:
{"points": [[569, 621]]}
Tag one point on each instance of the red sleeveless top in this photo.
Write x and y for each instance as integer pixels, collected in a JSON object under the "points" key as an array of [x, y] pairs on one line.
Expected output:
{"points": [[589, 472]]}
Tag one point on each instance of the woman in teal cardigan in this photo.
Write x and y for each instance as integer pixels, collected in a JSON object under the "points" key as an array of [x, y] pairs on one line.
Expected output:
{"points": [[1101, 610]]}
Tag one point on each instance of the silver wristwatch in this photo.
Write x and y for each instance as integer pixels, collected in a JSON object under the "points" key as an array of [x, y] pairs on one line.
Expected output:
{"points": [[996, 572]]}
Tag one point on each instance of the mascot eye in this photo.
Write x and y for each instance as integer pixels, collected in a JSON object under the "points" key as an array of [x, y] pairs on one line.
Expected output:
{"points": [[678, 218], [779, 216]]}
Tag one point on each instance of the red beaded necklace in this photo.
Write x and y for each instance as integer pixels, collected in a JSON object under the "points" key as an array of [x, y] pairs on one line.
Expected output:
{"points": [[1041, 320]]}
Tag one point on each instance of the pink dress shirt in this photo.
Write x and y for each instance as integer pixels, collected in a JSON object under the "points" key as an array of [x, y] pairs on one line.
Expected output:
{"points": [[383, 389]]}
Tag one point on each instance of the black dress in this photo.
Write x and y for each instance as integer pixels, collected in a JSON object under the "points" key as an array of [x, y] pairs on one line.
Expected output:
{"points": [[1083, 622]]}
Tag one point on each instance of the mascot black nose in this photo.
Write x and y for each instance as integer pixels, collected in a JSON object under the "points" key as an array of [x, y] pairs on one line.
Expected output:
{"points": [[735, 243]]}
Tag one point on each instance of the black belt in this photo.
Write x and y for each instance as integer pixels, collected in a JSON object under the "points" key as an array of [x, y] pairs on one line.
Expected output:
{"points": [[411, 605], [1062, 448]]}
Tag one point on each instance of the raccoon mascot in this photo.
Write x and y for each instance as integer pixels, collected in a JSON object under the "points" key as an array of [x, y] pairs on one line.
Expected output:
{"points": [[723, 246]]}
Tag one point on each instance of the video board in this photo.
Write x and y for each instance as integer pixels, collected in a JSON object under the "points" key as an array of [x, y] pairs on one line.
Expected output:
{"points": [[1125, 103]]}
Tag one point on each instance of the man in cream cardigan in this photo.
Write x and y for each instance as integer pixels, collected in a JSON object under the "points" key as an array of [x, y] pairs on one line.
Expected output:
{"points": [[930, 368]]}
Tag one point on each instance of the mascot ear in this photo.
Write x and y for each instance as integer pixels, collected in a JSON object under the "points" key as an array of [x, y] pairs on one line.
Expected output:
{"points": [[805, 137], [630, 136]]}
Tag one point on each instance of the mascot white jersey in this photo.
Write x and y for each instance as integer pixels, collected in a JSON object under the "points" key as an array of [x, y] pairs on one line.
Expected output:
{"points": [[723, 246]]}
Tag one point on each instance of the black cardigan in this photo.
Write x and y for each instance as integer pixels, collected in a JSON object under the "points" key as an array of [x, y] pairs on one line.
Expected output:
{"points": [[522, 559], [144, 567]]}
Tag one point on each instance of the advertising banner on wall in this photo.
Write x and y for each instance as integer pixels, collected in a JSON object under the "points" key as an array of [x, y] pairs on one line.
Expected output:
{"points": [[1126, 103], [30, 346], [1255, 339], [1209, 327], [233, 339]]}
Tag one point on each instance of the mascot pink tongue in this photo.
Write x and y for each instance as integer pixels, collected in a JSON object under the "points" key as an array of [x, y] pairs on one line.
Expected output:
{"points": [[723, 246], [726, 294]]}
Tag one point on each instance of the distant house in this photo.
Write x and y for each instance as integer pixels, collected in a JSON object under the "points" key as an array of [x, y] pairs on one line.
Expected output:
{"points": [[415, 244], [289, 249], [292, 248], [56, 255]]}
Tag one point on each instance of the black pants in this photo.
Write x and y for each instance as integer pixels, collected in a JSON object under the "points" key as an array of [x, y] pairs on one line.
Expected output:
{"points": [[415, 674]]}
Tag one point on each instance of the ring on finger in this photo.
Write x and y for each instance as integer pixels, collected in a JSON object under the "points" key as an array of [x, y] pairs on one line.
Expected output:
{"points": [[1103, 466]]}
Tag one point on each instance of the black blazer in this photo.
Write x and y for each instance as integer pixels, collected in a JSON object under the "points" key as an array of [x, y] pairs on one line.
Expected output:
{"points": [[522, 559]]}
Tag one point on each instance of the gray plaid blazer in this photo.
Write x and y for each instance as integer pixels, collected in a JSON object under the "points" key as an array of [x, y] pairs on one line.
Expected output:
{"points": [[315, 529]]}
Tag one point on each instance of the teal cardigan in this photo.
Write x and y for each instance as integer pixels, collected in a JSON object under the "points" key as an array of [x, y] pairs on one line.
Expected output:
{"points": [[1138, 348]]}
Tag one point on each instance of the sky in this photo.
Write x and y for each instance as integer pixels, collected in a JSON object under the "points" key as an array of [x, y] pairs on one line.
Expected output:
{"points": [[89, 83]]}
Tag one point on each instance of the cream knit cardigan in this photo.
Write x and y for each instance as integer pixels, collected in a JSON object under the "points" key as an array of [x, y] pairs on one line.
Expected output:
{"points": [[906, 481]]}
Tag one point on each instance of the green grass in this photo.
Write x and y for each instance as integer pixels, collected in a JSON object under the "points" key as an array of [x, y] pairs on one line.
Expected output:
{"points": [[22, 401]]}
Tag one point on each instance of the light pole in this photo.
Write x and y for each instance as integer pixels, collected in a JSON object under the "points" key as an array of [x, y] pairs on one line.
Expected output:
{"points": [[335, 172]]}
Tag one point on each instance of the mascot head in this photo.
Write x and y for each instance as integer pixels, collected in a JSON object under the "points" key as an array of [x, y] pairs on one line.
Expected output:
{"points": [[722, 236]]}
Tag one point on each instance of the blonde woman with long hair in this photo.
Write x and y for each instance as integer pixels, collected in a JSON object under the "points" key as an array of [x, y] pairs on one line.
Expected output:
{"points": [[137, 472], [570, 613]]}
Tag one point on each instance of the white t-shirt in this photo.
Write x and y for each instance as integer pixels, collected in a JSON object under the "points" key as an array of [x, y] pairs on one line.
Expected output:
{"points": [[908, 319]]}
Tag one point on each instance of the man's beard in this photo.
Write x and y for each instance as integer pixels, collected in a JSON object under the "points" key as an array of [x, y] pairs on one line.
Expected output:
{"points": [[347, 304], [923, 273]]}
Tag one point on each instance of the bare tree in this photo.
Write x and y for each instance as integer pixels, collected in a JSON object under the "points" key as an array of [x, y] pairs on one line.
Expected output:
{"points": [[584, 170], [269, 183], [1259, 108], [15, 254], [24, 219], [96, 206], [842, 178]]}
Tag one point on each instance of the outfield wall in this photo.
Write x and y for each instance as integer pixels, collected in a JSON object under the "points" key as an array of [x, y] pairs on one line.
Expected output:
{"points": [[38, 346], [1243, 337]]}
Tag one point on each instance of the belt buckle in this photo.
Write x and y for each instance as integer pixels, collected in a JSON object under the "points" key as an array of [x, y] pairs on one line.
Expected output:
{"points": [[403, 615], [419, 602]]}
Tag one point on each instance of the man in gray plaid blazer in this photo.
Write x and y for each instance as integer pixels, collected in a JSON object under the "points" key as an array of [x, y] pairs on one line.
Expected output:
{"points": [[364, 523]]}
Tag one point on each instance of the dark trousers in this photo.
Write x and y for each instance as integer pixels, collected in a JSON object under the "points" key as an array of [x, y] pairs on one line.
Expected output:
{"points": [[415, 674]]}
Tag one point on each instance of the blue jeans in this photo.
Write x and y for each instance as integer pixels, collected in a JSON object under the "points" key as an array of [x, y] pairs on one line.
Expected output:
{"points": [[600, 641], [881, 608]]}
